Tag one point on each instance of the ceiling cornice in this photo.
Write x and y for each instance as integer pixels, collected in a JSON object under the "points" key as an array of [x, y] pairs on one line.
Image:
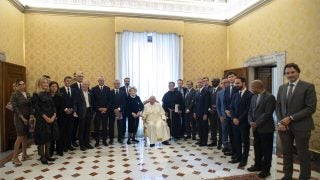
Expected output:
{"points": [[27, 9]]}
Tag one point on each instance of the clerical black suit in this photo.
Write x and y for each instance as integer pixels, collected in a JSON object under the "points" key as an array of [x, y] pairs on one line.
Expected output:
{"points": [[118, 101], [201, 106], [169, 100], [66, 121], [239, 109], [101, 99], [215, 124]]}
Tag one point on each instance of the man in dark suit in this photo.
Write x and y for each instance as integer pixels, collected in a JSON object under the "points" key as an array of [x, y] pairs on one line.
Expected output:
{"points": [[83, 111], [241, 129], [228, 93], [206, 84], [200, 112], [67, 120], [125, 91], [116, 113], [77, 86], [183, 91], [215, 124], [260, 117], [296, 102], [190, 121], [102, 103]]}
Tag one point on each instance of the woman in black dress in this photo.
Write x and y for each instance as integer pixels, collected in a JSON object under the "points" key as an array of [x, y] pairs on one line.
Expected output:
{"points": [[134, 109], [22, 108], [57, 99], [45, 114]]}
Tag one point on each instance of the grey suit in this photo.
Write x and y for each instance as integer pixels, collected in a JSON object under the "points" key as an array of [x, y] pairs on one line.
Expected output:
{"points": [[190, 121], [261, 113], [300, 107]]}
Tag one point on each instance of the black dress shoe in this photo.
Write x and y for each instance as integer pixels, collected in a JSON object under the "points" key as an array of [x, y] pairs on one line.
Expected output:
{"points": [[219, 147], [111, 142], [263, 174], [88, 146], [136, 141], [228, 153], [224, 149], [197, 143], [75, 144], [242, 164], [82, 148], [50, 159], [165, 143], [201, 145], [254, 168], [128, 142], [212, 144], [65, 150], [96, 144], [71, 148], [151, 145], [234, 161], [120, 141], [60, 153], [193, 138], [44, 160], [286, 178], [105, 143]]}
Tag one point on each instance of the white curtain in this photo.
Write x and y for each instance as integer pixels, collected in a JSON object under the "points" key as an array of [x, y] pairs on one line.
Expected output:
{"points": [[151, 60]]}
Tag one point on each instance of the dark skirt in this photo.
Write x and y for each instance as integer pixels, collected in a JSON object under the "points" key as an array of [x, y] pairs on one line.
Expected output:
{"points": [[45, 132], [21, 128]]}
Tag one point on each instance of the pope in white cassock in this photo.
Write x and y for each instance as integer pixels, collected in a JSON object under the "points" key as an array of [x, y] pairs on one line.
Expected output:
{"points": [[155, 122]]}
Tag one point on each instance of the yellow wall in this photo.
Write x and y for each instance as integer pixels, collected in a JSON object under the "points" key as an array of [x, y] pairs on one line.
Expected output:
{"points": [[204, 50], [11, 33], [282, 25], [59, 45]]}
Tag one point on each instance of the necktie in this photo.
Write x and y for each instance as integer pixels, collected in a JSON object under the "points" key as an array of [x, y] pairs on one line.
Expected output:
{"points": [[127, 91], [68, 91], [231, 87], [214, 90], [258, 100], [101, 88], [289, 96], [80, 84], [116, 91]]}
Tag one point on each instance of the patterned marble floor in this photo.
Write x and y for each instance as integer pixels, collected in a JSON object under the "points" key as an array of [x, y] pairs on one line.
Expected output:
{"points": [[180, 160]]}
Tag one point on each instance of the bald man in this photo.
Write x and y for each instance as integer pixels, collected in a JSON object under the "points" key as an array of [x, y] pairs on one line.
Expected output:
{"points": [[260, 117]]}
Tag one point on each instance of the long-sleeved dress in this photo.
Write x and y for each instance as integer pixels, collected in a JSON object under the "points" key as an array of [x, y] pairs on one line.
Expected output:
{"points": [[134, 105], [44, 104]]}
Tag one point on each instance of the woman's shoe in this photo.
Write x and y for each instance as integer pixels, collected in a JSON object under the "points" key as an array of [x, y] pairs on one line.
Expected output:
{"points": [[16, 162], [26, 157]]}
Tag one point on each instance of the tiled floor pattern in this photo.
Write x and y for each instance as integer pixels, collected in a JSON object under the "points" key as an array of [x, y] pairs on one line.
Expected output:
{"points": [[180, 160]]}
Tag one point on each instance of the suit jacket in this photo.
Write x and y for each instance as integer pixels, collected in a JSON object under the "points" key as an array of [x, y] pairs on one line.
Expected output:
{"points": [[184, 89], [262, 113], [189, 99], [301, 107], [20, 104], [220, 104], [81, 106], [201, 102], [117, 101], [101, 99], [123, 89], [75, 86], [228, 96], [240, 107], [67, 101], [213, 97]]}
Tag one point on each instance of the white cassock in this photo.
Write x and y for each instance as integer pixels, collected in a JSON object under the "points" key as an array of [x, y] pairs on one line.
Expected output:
{"points": [[155, 123]]}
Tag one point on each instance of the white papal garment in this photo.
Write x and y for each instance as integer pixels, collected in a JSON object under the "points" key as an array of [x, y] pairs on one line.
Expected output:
{"points": [[156, 127]]}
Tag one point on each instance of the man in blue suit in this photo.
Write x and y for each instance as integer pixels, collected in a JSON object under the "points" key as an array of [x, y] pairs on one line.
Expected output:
{"points": [[241, 129], [228, 92], [201, 106]]}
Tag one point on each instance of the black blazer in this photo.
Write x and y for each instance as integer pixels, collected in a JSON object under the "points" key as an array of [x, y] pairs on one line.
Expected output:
{"points": [[213, 97], [189, 99], [101, 99], [123, 89], [240, 107], [227, 97], [262, 113], [81, 106], [201, 102], [134, 105], [67, 101], [117, 101], [184, 91], [75, 86]]}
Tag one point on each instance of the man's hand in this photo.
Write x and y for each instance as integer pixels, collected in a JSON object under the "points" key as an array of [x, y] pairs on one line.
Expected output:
{"points": [[253, 125], [228, 113], [166, 114], [286, 121], [75, 114], [205, 117], [236, 121], [282, 127], [194, 116]]}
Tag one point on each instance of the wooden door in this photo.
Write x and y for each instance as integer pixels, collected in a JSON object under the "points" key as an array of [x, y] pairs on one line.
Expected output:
{"points": [[265, 75], [10, 73]]}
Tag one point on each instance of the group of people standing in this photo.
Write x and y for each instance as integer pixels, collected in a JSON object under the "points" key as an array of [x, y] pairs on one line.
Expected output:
{"points": [[227, 109]]}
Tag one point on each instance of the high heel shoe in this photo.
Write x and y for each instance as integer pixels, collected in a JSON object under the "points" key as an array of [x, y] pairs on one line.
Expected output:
{"points": [[44, 160], [26, 157], [16, 162]]}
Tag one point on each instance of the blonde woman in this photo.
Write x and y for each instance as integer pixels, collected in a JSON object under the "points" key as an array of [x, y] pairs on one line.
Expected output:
{"points": [[22, 108], [45, 114]]}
